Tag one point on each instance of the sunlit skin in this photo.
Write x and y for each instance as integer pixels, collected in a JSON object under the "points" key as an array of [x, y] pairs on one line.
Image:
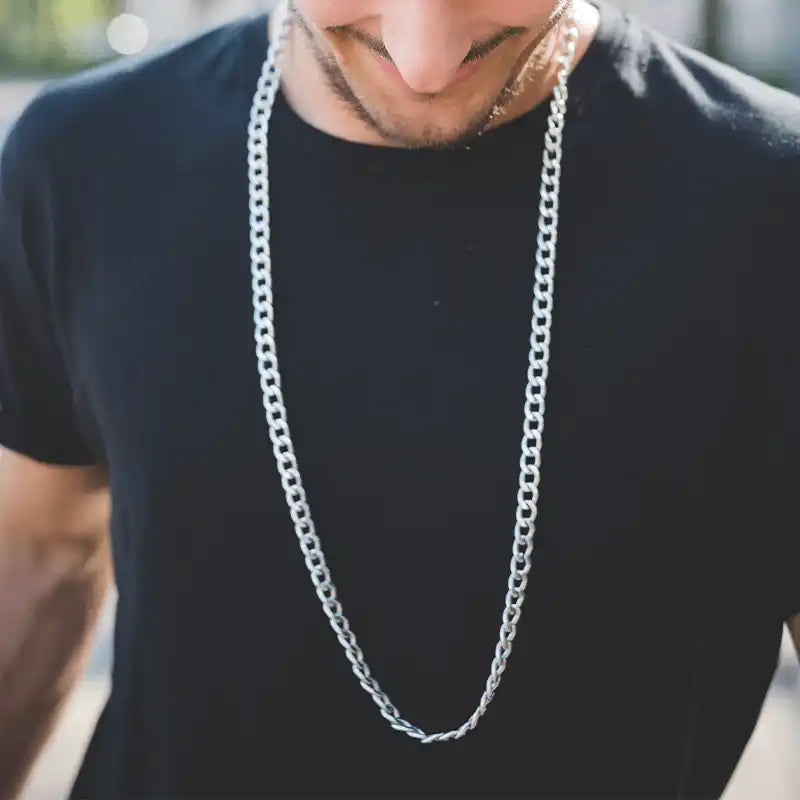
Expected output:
{"points": [[424, 73]]}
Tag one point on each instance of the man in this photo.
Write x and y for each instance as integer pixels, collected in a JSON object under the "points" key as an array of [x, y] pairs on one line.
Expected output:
{"points": [[380, 219]]}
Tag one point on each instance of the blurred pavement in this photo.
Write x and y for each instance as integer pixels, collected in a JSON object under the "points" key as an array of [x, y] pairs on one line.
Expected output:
{"points": [[14, 95]]}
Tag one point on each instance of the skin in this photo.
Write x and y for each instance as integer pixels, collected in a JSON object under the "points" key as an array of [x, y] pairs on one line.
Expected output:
{"points": [[424, 73], [55, 568], [55, 562]]}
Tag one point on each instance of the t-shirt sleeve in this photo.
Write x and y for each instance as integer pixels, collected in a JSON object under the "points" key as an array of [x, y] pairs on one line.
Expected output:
{"points": [[37, 409], [775, 291]]}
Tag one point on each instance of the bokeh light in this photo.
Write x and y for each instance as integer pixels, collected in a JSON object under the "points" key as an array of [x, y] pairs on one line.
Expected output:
{"points": [[128, 34]]}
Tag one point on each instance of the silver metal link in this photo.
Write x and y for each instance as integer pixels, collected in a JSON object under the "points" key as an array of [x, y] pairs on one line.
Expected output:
{"points": [[535, 392]]}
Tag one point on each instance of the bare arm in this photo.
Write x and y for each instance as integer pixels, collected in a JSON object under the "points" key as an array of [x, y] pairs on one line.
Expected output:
{"points": [[54, 572], [794, 629]]}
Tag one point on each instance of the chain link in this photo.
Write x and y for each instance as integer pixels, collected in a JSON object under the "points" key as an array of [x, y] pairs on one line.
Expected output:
{"points": [[535, 392]]}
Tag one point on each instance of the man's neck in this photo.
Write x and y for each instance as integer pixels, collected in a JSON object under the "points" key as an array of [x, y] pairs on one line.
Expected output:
{"points": [[305, 88]]}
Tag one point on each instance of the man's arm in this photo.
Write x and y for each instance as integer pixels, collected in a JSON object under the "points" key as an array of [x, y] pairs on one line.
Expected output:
{"points": [[54, 573], [794, 629]]}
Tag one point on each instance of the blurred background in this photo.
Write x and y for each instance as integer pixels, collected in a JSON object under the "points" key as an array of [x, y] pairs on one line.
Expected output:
{"points": [[42, 39], [46, 37]]}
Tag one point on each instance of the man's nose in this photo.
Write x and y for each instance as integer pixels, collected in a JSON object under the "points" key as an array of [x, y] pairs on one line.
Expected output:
{"points": [[427, 42]]}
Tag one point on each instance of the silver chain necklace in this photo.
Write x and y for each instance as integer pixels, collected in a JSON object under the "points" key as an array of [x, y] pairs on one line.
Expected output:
{"points": [[534, 406]]}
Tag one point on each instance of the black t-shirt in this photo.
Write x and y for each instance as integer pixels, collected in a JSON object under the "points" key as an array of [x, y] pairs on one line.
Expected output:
{"points": [[667, 550]]}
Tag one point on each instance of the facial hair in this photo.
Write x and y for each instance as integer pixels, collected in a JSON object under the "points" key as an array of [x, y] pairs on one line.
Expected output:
{"points": [[341, 88]]}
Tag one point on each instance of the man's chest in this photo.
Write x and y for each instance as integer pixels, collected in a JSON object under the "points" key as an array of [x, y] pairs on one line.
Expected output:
{"points": [[404, 351]]}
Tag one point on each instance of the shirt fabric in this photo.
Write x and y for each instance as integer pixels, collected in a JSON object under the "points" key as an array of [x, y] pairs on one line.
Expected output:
{"points": [[667, 548]]}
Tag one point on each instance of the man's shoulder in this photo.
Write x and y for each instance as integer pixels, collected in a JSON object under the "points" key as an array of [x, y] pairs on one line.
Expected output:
{"points": [[111, 104], [706, 111]]}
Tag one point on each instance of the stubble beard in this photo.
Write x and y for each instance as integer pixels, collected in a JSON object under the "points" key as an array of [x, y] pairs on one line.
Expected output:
{"points": [[397, 134]]}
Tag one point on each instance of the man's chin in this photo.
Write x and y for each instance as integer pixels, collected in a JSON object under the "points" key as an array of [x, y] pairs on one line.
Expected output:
{"points": [[427, 128], [432, 138]]}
